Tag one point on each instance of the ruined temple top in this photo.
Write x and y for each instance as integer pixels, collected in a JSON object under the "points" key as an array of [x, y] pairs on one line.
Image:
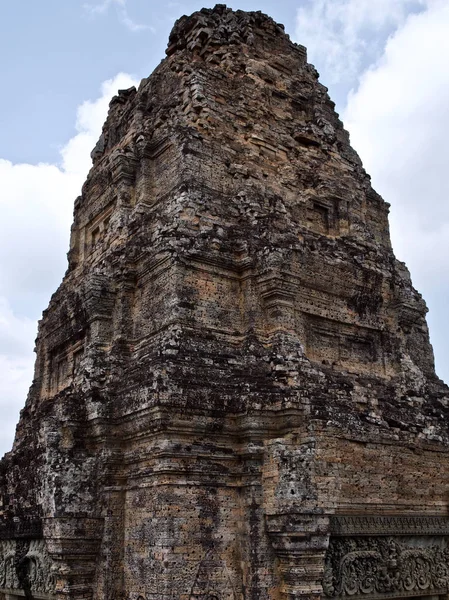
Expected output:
{"points": [[221, 26]]}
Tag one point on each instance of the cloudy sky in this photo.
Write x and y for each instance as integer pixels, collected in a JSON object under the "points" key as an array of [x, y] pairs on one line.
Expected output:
{"points": [[384, 61]]}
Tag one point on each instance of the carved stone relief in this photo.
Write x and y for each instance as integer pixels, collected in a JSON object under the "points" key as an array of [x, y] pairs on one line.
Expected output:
{"points": [[7, 570], [388, 525], [371, 566], [26, 565], [212, 580]]}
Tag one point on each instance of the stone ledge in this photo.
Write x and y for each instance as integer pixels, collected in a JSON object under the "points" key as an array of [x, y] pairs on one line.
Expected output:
{"points": [[388, 525]]}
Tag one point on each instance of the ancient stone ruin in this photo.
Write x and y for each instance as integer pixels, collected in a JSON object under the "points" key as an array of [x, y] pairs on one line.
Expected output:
{"points": [[234, 395]]}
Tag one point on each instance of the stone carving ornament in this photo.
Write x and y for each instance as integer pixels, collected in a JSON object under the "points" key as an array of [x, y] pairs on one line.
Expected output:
{"points": [[35, 566], [342, 525], [212, 581], [370, 566], [8, 577]]}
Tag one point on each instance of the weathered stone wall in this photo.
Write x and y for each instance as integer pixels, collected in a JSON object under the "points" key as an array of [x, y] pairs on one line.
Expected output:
{"points": [[234, 355]]}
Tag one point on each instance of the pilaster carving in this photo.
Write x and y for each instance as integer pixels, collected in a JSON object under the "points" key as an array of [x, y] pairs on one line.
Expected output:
{"points": [[300, 542]]}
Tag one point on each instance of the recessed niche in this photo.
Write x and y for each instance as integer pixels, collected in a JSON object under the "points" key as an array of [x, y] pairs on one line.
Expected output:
{"points": [[318, 218]]}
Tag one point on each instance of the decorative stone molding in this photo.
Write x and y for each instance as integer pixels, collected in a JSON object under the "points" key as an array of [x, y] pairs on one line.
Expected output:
{"points": [[388, 525], [387, 557], [300, 542], [22, 529], [123, 166]]}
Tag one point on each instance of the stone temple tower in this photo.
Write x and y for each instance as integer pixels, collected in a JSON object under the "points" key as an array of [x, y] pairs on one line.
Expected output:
{"points": [[234, 395]]}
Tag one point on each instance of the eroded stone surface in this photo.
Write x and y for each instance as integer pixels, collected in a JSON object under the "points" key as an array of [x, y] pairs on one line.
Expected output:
{"points": [[234, 354]]}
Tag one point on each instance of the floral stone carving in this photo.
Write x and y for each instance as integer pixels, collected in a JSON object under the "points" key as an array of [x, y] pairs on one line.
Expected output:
{"points": [[386, 566]]}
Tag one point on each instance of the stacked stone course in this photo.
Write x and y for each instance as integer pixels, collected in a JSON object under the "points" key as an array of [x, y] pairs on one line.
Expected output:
{"points": [[234, 394]]}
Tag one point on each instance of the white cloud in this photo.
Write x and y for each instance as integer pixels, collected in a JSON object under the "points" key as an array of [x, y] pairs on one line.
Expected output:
{"points": [[36, 203], [100, 8], [341, 35], [89, 121], [16, 367], [398, 118], [129, 23], [404, 102], [122, 13]]}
